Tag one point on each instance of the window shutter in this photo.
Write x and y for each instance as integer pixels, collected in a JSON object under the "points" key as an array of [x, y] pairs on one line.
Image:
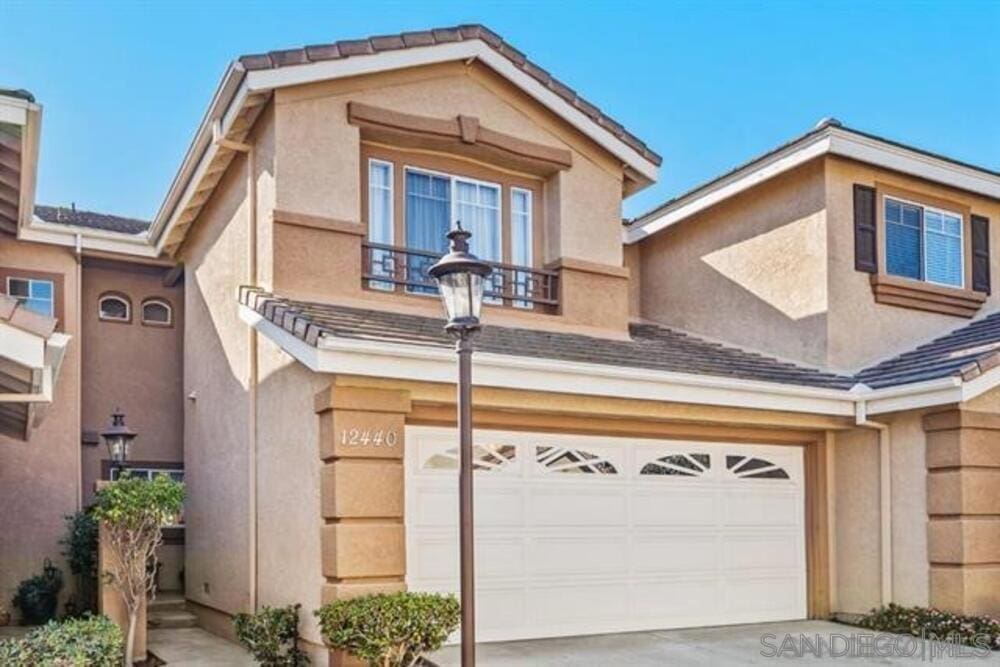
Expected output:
{"points": [[981, 254], [865, 235]]}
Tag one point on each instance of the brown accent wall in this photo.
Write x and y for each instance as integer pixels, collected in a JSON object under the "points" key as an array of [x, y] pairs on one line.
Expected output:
{"points": [[40, 478], [131, 366], [963, 503]]}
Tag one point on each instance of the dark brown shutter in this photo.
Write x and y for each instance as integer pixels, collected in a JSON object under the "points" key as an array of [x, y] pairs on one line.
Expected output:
{"points": [[865, 234], [981, 254]]}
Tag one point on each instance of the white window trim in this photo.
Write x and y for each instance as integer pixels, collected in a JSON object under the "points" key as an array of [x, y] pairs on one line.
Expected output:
{"points": [[923, 254], [157, 323], [453, 179], [531, 224], [104, 318], [30, 281], [392, 199]]}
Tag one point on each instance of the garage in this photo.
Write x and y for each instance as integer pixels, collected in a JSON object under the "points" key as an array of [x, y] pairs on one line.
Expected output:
{"points": [[585, 535]]}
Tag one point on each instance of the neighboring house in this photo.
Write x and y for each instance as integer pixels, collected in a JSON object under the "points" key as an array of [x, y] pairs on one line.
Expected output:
{"points": [[741, 407]]}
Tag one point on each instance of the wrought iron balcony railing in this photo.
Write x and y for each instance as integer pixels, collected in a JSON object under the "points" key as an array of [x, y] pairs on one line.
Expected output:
{"points": [[390, 268]]}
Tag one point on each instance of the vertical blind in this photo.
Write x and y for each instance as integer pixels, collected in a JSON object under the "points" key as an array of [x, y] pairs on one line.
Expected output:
{"points": [[923, 243]]}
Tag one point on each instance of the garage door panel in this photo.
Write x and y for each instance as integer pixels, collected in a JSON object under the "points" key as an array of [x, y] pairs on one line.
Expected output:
{"points": [[672, 599], [580, 554], [780, 551], [562, 605], [674, 504], [581, 535], [674, 552], [566, 505], [761, 507]]}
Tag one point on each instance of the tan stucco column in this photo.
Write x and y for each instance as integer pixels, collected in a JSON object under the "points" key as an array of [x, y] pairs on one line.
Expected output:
{"points": [[963, 505], [109, 600], [361, 486]]}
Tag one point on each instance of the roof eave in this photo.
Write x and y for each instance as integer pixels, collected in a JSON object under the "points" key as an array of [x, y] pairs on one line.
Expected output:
{"points": [[829, 140], [238, 85]]}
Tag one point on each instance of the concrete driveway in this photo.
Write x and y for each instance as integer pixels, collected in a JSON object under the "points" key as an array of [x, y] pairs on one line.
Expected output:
{"points": [[730, 645]]}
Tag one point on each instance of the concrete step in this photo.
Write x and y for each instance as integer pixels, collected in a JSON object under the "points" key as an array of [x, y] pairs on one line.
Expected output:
{"points": [[167, 602], [171, 619]]}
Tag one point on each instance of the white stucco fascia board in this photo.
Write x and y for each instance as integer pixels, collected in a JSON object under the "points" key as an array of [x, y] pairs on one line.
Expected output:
{"points": [[832, 141], [43, 356], [732, 185], [413, 362], [15, 110], [40, 231]]}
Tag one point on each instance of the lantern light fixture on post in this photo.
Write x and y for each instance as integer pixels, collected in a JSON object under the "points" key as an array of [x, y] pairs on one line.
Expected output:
{"points": [[460, 276], [118, 437]]}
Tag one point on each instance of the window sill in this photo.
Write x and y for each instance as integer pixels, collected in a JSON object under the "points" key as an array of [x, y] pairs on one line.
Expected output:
{"points": [[917, 295]]}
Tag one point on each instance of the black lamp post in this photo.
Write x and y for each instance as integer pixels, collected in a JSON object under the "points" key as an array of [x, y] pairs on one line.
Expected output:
{"points": [[460, 276], [118, 437]]}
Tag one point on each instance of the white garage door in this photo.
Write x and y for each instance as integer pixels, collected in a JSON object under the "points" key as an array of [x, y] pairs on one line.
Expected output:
{"points": [[582, 535]]}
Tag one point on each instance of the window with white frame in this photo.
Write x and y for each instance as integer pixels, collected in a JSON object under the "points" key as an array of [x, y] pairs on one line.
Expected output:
{"points": [[521, 241], [924, 243], [380, 219], [157, 312], [435, 202], [114, 308], [36, 295]]}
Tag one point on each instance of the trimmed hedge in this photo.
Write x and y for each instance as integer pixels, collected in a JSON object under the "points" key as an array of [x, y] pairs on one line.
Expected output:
{"points": [[90, 641], [930, 623], [391, 629], [271, 636]]}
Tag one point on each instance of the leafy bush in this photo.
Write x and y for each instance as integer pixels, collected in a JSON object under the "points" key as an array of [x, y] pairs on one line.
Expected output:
{"points": [[390, 630], [80, 551], [272, 635], [38, 596], [91, 641], [935, 624], [133, 512]]}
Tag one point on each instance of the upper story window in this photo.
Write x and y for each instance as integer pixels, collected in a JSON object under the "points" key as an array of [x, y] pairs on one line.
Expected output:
{"points": [[157, 312], [114, 308], [924, 243], [411, 208], [35, 295]]}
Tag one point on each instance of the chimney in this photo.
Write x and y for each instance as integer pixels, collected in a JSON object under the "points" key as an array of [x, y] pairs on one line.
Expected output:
{"points": [[72, 206]]}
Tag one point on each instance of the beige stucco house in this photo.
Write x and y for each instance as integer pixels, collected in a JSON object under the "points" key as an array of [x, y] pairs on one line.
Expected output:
{"points": [[773, 397]]}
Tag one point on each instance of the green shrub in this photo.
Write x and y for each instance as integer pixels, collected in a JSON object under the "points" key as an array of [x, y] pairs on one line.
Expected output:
{"points": [[935, 624], [38, 596], [80, 551], [272, 636], [91, 641], [390, 630]]}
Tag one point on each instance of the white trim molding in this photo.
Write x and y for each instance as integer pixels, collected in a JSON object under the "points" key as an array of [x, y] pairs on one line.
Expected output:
{"points": [[829, 140], [437, 364]]}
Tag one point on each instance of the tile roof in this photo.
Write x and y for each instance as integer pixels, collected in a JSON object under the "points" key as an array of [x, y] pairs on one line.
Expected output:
{"points": [[651, 346], [406, 40], [80, 218], [966, 352]]}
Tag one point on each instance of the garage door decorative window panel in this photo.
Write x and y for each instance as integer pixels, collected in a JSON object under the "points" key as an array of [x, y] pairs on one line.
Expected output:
{"points": [[584, 534]]}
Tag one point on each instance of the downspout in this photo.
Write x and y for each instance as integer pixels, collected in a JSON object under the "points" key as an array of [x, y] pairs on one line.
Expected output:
{"points": [[219, 138], [885, 494], [78, 250]]}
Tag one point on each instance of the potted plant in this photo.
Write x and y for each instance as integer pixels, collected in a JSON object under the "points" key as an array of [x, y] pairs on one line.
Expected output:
{"points": [[38, 596]]}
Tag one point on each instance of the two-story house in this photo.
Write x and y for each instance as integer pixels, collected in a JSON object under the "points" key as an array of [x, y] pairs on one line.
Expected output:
{"points": [[770, 398]]}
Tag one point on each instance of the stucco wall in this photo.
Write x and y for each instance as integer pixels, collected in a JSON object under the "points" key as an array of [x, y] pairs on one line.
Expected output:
{"points": [[888, 329], [318, 172], [288, 485], [856, 496], [131, 366], [750, 271], [40, 478]]}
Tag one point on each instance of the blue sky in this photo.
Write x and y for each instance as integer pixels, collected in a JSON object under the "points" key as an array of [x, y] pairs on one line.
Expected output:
{"points": [[707, 85]]}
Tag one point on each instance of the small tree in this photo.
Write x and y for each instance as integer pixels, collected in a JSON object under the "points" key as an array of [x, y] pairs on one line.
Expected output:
{"points": [[134, 512]]}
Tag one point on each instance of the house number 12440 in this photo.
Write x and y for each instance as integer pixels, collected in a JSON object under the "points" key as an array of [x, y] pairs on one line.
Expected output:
{"points": [[363, 437]]}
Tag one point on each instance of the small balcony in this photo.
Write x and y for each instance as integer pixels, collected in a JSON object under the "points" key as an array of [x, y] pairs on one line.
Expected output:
{"points": [[389, 268]]}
